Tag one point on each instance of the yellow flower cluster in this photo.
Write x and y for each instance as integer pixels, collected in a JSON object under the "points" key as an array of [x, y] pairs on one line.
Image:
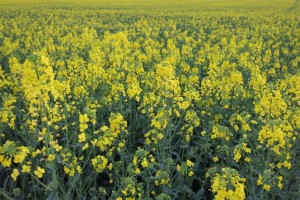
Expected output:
{"points": [[239, 150], [7, 115], [162, 178], [100, 163], [276, 136], [220, 132], [83, 120], [141, 160], [128, 190], [15, 174], [228, 185], [271, 104], [186, 168], [10, 153], [110, 134], [191, 122], [240, 122], [279, 137], [269, 180], [71, 164], [39, 172]]}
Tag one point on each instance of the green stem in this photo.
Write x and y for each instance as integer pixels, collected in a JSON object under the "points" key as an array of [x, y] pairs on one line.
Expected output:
{"points": [[54, 178], [253, 184], [77, 177], [4, 195], [148, 189], [45, 186]]}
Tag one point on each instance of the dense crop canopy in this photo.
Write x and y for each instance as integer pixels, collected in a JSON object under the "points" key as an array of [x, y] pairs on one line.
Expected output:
{"points": [[131, 100]]}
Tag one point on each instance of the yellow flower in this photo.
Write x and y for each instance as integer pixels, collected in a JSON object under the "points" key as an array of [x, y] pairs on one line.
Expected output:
{"points": [[39, 172], [72, 172], [237, 154], [51, 157], [280, 185], [83, 127], [160, 136], [215, 158], [85, 146], [279, 182], [191, 173], [267, 187], [99, 163], [120, 146], [79, 170], [189, 163], [26, 168], [137, 171], [6, 162], [135, 160], [15, 174], [145, 163], [56, 146], [259, 181], [20, 156], [35, 153], [81, 137], [110, 166], [83, 118], [178, 167], [66, 169]]}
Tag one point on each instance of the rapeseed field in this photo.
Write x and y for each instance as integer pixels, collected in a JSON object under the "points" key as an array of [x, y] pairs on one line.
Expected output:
{"points": [[140, 99]]}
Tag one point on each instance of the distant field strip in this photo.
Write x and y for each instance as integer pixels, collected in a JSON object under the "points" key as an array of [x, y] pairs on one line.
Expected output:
{"points": [[195, 4]]}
